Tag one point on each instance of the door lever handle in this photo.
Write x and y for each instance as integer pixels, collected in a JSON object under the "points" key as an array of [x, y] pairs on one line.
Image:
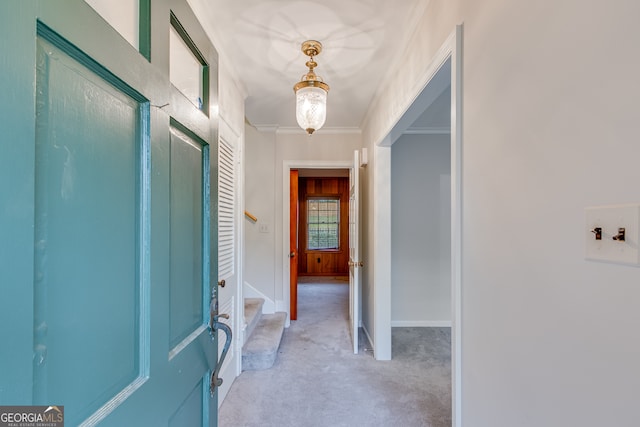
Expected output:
{"points": [[214, 326], [214, 323]]}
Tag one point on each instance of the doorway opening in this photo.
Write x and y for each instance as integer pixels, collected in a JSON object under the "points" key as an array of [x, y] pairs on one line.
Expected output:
{"points": [[421, 231], [444, 73], [421, 211], [318, 228], [323, 222]]}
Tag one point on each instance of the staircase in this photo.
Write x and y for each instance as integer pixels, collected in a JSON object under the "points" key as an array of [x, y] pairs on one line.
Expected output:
{"points": [[262, 336]]}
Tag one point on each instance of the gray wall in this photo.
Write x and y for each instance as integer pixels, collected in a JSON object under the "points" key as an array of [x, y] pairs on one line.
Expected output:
{"points": [[420, 231]]}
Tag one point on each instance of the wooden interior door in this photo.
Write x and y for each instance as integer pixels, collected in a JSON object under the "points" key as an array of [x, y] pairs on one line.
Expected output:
{"points": [[109, 218], [293, 243]]}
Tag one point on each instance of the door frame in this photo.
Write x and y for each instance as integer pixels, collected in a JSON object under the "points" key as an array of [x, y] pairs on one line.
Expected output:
{"points": [[287, 165], [451, 49]]}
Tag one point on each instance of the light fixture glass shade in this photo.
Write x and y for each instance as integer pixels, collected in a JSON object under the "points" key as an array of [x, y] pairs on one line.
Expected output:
{"points": [[311, 108]]}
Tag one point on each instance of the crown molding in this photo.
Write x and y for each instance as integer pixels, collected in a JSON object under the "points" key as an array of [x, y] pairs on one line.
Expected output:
{"points": [[265, 128], [427, 131], [322, 131]]}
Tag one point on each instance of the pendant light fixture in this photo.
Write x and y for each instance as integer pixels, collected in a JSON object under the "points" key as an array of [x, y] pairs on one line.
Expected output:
{"points": [[311, 92]]}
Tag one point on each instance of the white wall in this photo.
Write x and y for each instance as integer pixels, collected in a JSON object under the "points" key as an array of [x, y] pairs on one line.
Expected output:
{"points": [[260, 188], [420, 231], [266, 154], [550, 126]]}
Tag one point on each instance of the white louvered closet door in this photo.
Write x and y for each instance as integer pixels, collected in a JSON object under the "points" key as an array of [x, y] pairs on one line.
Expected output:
{"points": [[227, 236], [226, 209]]}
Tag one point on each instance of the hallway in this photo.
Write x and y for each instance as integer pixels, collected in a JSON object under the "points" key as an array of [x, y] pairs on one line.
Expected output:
{"points": [[318, 381]]}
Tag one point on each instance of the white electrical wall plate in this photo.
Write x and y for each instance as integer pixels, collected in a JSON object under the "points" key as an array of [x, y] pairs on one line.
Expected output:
{"points": [[606, 223]]}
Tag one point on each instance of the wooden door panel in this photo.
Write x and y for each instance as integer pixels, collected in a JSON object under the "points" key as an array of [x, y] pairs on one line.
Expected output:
{"points": [[331, 262], [325, 263], [293, 244]]}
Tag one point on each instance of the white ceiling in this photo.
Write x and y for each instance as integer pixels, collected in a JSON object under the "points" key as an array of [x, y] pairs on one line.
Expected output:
{"points": [[362, 40]]}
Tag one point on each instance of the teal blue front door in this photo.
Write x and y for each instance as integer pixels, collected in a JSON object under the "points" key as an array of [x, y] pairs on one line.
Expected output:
{"points": [[107, 209]]}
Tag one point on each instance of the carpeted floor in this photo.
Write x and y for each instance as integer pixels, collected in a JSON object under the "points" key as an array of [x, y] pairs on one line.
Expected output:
{"points": [[318, 381]]}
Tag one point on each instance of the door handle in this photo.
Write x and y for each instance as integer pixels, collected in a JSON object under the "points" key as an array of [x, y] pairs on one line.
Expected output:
{"points": [[216, 381], [214, 326], [222, 283], [292, 254]]}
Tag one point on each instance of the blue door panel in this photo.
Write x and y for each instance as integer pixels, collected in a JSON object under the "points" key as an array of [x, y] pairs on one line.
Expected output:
{"points": [[187, 281], [190, 411], [107, 221], [86, 248]]}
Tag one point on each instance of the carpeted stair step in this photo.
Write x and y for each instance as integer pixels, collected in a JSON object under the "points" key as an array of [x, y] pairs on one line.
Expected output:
{"points": [[252, 314], [261, 349]]}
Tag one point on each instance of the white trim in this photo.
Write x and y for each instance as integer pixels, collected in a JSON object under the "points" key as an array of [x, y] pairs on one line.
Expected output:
{"points": [[239, 323], [269, 306], [366, 333], [280, 306], [382, 252], [327, 130], [226, 130], [235, 139], [421, 323], [456, 224], [298, 131], [427, 131], [265, 128], [287, 165]]}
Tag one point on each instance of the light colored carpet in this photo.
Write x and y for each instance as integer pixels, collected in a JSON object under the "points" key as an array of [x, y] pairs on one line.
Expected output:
{"points": [[318, 381]]}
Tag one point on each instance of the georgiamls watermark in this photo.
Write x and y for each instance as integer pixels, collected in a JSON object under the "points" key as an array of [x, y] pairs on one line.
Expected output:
{"points": [[31, 416]]}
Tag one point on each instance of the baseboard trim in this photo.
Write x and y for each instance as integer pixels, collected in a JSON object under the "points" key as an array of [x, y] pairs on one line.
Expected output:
{"points": [[420, 323], [249, 291], [364, 328], [282, 307]]}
